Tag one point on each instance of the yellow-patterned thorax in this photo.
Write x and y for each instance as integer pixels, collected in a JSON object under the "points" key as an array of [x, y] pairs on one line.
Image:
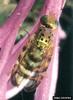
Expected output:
{"points": [[42, 41]]}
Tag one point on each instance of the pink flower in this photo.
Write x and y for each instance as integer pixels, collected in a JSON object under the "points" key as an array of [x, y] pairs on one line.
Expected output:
{"points": [[9, 52]]}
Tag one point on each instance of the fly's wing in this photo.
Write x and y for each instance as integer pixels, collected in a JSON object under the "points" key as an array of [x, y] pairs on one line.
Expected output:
{"points": [[48, 56], [31, 86], [50, 49], [46, 59]]}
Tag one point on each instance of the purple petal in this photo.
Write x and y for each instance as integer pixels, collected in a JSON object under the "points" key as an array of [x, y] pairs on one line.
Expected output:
{"points": [[8, 35], [18, 47], [15, 20], [12, 26], [3, 86], [6, 49]]}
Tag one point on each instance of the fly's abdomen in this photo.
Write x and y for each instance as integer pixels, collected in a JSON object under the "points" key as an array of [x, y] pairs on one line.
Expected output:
{"points": [[27, 65]]}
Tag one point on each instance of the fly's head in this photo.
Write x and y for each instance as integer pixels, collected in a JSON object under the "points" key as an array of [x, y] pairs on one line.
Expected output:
{"points": [[49, 21]]}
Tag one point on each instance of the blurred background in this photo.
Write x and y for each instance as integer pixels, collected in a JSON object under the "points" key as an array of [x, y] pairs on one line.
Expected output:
{"points": [[65, 79]]}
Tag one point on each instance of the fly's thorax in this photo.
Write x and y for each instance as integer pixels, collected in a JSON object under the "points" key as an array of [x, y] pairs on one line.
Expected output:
{"points": [[43, 38]]}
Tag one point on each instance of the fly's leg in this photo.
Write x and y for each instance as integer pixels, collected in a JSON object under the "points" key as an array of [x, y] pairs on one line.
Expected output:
{"points": [[15, 67]]}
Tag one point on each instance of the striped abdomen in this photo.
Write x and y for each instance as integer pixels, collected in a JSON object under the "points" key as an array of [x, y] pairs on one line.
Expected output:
{"points": [[25, 67]]}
